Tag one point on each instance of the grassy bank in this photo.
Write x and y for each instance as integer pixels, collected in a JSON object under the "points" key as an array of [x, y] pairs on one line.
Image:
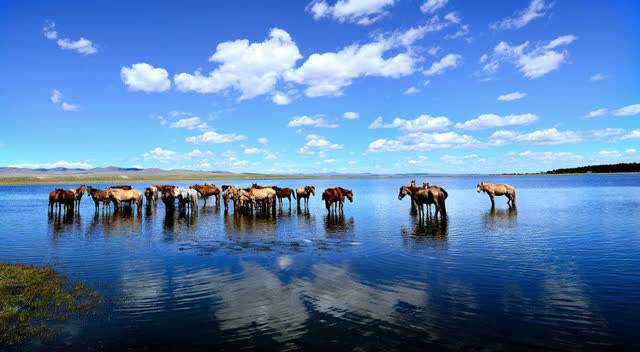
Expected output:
{"points": [[32, 295]]}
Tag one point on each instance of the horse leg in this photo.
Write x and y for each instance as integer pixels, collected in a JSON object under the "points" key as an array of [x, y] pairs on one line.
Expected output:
{"points": [[493, 203]]}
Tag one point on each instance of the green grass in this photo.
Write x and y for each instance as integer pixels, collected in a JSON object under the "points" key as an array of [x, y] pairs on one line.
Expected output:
{"points": [[30, 296]]}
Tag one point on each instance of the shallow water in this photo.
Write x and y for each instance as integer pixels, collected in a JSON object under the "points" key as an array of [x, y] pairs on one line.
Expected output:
{"points": [[562, 272]]}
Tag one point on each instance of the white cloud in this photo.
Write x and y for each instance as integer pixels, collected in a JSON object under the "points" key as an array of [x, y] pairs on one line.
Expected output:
{"points": [[598, 112], [316, 142], [253, 69], [460, 160], [431, 6], [598, 77], [165, 155], [350, 115], [411, 90], [82, 46], [420, 141], [300, 121], [69, 107], [461, 32], [61, 163], [534, 63], [453, 17], [629, 110], [447, 62], [433, 51], [630, 150], [56, 96], [259, 151], [190, 123], [362, 12], [547, 156], [493, 120], [146, 78], [521, 18], [512, 96], [634, 134], [329, 161], [212, 137], [608, 132], [280, 98], [547, 136], [421, 123], [263, 140]]}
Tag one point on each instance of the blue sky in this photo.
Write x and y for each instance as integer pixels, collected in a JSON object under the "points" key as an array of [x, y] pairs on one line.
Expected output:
{"points": [[349, 86]]}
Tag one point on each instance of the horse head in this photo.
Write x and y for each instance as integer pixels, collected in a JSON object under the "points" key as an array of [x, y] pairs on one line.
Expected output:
{"points": [[349, 194], [480, 187], [404, 190], [310, 190]]}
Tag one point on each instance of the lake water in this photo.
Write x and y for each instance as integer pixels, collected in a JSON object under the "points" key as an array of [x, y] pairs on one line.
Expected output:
{"points": [[560, 273]]}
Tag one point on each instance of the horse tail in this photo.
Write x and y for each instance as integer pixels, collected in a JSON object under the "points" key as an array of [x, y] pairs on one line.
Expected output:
{"points": [[445, 193], [443, 207], [324, 196]]}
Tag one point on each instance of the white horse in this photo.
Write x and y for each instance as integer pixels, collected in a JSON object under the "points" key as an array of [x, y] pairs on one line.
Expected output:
{"points": [[187, 197]]}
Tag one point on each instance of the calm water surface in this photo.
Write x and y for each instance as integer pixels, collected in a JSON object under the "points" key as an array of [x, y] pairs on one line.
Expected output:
{"points": [[560, 273]]}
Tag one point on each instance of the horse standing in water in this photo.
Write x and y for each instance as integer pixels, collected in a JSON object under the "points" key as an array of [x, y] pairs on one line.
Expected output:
{"points": [[151, 194], [98, 196], [78, 192], [206, 191], [304, 193], [335, 197], [497, 189], [62, 198], [123, 187], [426, 196], [118, 196], [284, 193]]}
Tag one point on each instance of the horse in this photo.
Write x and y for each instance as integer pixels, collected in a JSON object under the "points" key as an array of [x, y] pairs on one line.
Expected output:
{"points": [[118, 195], [162, 188], [98, 196], [228, 194], [123, 187], [55, 198], [266, 196], [304, 193], [426, 196], [498, 189], [78, 192], [168, 197], [438, 188], [284, 193], [151, 194], [187, 197], [63, 198], [336, 196], [206, 191]]}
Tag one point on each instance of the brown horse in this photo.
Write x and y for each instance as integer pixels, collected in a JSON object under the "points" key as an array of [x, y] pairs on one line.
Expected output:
{"points": [[426, 196], [55, 198], [98, 196], [304, 193], [78, 192], [498, 189], [284, 193], [62, 198], [162, 188], [123, 187], [119, 196], [335, 197], [168, 197], [206, 191], [151, 194]]}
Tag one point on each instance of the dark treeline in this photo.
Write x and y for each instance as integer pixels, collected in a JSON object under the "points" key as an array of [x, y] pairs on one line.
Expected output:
{"points": [[609, 168]]}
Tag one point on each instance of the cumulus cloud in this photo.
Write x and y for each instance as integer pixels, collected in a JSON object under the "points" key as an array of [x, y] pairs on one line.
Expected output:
{"points": [[263, 140], [301, 121], [350, 115], [492, 121], [460, 160], [420, 141], [547, 156], [280, 98], [212, 137], [532, 61], [253, 69], [266, 153], [316, 142], [69, 107], [57, 164], [634, 134], [56, 98], [447, 62], [166, 155], [598, 77], [547, 136], [536, 9], [411, 90], [145, 78], [629, 110], [431, 6], [362, 12], [81, 46], [512, 96], [190, 123], [421, 123]]}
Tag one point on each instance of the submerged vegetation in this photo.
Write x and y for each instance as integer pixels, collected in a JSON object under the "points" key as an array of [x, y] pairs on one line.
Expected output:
{"points": [[32, 295], [601, 169]]}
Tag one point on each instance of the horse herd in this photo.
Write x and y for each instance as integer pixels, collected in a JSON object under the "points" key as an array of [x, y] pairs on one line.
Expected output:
{"points": [[257, 198]]}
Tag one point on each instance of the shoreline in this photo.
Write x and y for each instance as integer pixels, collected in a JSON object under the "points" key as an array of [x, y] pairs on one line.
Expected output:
{"points": [[115, 178]]}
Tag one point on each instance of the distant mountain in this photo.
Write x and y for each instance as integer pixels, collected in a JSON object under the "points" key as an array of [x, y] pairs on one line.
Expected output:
{"points": [[109, 170], [607, 168]]}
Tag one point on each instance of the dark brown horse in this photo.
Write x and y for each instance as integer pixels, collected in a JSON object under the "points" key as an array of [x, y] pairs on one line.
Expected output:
{"points": [[62, 198], [162, 188], [206, 191], [284, 193], [168, 198], [124, 187], [78, 192], [99, 195], [335, 196], [151, 194]]}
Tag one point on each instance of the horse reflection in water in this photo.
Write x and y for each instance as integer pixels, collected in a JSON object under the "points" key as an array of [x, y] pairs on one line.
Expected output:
{"points": [[180, 217], [501, 217], [337, 224], [432, 232], [239, 227], [61, 222], [123, 222]]}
